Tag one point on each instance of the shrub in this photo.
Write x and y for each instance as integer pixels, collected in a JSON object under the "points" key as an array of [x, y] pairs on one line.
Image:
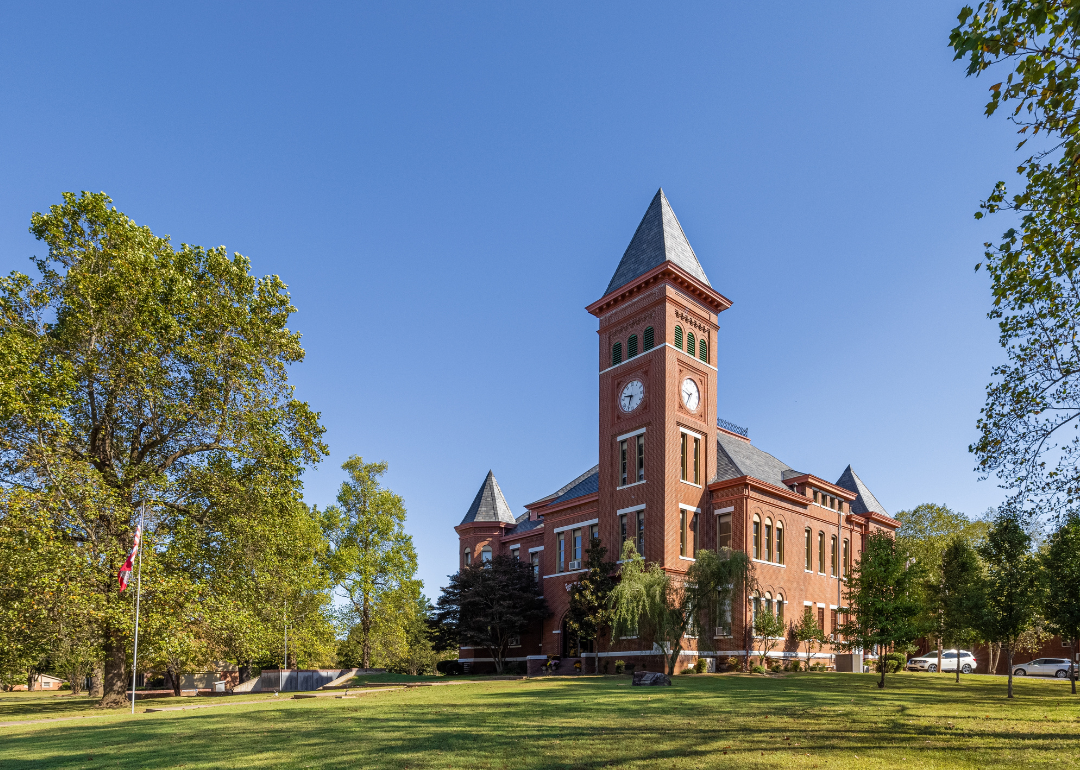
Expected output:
{"points": [[620, 666], [758, 669], [604, 666], [629, 668], [776, 668], [688, 670], [449, 667], [702, 665], [796, 666], [734, 663]]}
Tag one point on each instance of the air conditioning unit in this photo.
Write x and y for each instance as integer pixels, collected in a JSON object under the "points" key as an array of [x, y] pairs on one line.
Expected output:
{"points": [[722, 631], [575, 564]]}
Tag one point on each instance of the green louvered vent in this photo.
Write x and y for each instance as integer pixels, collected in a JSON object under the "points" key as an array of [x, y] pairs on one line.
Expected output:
{"points": [[678, 337], [648, 338], [690, 344], [631, 346], [703, 351], [616, 353]]}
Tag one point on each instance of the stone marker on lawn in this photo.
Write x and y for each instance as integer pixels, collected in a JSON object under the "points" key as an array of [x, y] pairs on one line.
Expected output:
{"points": [[650, 678]]}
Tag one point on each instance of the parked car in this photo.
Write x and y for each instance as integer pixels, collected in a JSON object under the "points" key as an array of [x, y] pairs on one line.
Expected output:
{"points": [[949, 660], [1058, 667]]}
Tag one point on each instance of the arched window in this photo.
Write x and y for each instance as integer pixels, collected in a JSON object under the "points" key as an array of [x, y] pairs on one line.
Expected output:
{"points": [[780, 608], [485, 553], [780, 543], [631, 346], [616, 353], [678, 337], [833, 557], [847, 558], [768, 539], [703, 350], [468, 557], [757, 537], [766, 603], [821, 552], [648, 339], [690, 343], [755, 605], [809, 550]]}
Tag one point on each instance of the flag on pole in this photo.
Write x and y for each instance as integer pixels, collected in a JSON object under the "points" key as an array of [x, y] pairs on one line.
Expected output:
{"points": [[124, 575]]}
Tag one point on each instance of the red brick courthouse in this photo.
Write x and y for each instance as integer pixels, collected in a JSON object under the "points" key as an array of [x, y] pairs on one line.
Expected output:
{"points": [[672, 475]]}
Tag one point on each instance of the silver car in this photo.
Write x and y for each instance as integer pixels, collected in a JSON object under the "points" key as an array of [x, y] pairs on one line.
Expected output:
{"points": [[949, 660], [1058, 667]]}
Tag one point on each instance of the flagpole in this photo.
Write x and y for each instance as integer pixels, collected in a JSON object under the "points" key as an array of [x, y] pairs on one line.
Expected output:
{"points": [[138, 596]]}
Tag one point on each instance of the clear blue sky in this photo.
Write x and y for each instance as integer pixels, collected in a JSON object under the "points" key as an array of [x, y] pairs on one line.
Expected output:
{"points": [[444, 187]]}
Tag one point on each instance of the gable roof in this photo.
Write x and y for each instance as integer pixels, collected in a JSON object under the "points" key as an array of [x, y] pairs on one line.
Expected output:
{"points": [[561, 493], [864, 500], [658, 239], [736, 457], [489, 504]]}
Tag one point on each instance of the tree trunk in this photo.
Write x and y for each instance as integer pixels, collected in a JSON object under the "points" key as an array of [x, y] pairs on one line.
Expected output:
{"points": [[174, 677], [939, 655], [244, 671], [1072, 663], [882, 662], [97, 681], [31, 677], [994, 650], [114, 694], [1009, 654], [365, 632]]}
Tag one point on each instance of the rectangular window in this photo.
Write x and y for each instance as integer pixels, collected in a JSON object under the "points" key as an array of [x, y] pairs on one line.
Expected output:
{"points": [[833, 621], [622, 530], [821, 552], [832, 557], [468, 558], [821, 618], [724, 616], [516, 553], [694, 539], [682, 533], [757, 539], [594, 533], [562, 552], [535, 555], [723, 532], [622, 463], [682, 458], [576, 544], [809, 551], [697, 460], [641, 533], [847, 558], [641, 457], [768, 542], [780, 544], [815, 496]]}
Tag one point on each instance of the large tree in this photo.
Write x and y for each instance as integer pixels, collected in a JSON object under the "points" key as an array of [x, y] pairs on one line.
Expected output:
{"points": [[372, 558], [1012, 589], [488, 604], [961, 595], [664, 609], [881, 596], [589, 615], [1061, 574], [1028, 436], [133, 370]]}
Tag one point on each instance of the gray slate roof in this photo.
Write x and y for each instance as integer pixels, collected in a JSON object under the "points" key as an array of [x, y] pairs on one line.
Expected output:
{"points": [[865, 500], [525, 525], [659, 238], [489, 504], [588, 483], [736, 457]]}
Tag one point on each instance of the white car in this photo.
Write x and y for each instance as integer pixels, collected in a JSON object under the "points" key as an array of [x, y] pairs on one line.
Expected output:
{"points": [[1058, 667], [949, 660]]}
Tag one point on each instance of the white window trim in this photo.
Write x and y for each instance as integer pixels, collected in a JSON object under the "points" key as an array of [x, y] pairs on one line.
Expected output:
{"points": [[625, 436], [576, 526], [634, 484], [690, 483], [729, 509], [770, 563], [631, 509], [562, 574], [691, 432], [515, 547], [658, 347], [538, 548], [685, 507], [687, 558], [807, 604]]}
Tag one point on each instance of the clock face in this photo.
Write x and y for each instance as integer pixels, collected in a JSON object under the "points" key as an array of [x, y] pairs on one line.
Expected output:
{"points": [[690, 394], [631, 395]]}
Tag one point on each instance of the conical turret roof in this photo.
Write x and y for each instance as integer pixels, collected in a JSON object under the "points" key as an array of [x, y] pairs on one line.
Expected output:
{"points": [[864, 500], [489, 504], [658, 239]]}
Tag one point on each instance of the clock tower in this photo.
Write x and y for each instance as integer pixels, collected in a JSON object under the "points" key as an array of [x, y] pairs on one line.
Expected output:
{"points": [[658, 373]]}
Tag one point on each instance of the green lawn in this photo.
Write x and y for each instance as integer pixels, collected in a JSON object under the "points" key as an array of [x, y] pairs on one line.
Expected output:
{"points": [[798, 720]]}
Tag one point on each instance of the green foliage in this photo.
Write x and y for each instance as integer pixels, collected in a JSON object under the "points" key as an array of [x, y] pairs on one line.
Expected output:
{"points": [[138, 374], [757, 669], [770, 628], [701, 666], [807, 632], [1027, 428], [882, 602], [961, 595], [590, 614], [488, 604], [372, 560], [1061, 576], [926, 531], [649, 602]]}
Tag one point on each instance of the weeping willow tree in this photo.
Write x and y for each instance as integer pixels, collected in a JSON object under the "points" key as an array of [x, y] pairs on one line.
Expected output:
{"points": [[664, 609]]}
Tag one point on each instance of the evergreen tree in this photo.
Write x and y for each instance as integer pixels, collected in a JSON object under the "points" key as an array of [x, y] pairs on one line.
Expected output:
{"points": [[881, 594], [1012, 591], [1061, 573], [590, 615], [962, 595]]}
